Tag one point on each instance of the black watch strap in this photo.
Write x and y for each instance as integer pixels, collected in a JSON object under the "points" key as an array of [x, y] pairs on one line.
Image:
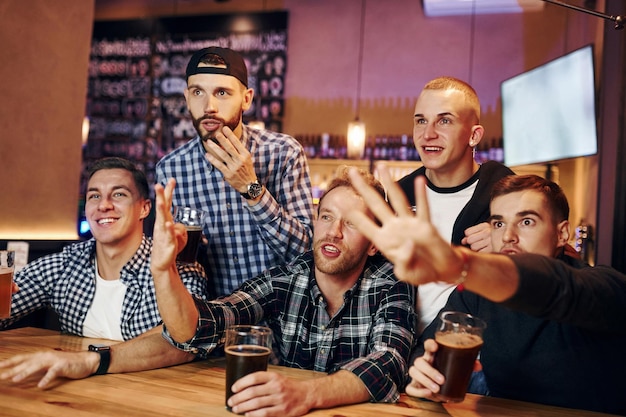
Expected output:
{"points": [[105, 358]]}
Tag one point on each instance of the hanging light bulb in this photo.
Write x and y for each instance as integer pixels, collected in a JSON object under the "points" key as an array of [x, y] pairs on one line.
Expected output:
{"points": [[356, 129], [85, 131], [356, 139]]}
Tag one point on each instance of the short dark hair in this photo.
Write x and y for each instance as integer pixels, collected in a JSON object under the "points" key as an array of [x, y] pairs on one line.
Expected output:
{"points": [[120, 163], [554, 195]]}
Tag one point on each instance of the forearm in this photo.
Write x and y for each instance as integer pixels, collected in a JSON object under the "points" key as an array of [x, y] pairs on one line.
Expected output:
{"points": [[340, 388], [285, 230], [149, 351], [493, 276], [176, 305]]}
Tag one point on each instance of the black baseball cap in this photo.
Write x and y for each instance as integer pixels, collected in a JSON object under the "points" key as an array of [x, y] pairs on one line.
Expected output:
{"points": [[235, 66]]}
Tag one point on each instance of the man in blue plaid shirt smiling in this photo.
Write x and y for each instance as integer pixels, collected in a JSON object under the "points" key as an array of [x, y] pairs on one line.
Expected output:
{"points": [[254, 184], [103, 287], [336, 309]]}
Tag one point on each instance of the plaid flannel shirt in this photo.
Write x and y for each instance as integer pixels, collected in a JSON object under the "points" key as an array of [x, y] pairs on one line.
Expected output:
{"points": [[66, 281], [371, 335], [245, 240]]}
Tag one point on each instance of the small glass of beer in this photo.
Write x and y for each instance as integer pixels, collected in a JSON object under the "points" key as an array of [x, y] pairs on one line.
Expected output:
{"points": [[193, 219], [460, 337], [6, 282], [247, 349]]}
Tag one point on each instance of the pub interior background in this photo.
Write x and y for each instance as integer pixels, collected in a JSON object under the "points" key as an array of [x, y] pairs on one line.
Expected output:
{"points": [[44, 79]]}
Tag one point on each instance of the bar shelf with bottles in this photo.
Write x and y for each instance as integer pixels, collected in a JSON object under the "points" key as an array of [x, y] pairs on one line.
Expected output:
{"points": [[326, 152], [385, 147], [380, 147]]}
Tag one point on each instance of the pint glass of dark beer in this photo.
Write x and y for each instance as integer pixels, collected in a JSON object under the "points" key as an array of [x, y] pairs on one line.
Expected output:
{"points": [[247, 350], [193, 219], [460, 337]]}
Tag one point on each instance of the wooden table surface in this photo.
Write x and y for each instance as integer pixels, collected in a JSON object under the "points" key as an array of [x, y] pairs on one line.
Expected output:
{"points": [[197, 389]]}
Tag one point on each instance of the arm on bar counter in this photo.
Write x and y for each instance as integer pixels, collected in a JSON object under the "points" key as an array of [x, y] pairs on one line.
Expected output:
{"points": [[148, 351], [196, 389]]}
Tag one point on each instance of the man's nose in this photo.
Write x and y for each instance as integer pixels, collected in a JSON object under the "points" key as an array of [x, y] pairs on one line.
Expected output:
{"points": [[211, 105], [336, 228], [430, 131], [510, 234], [105, 204]]}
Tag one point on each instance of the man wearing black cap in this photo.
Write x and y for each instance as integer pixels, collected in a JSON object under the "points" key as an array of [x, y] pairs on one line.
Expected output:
{"points": [[253, 183]]}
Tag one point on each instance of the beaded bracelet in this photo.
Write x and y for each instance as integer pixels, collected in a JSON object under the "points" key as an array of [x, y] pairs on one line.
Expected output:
{"points": [[459, 282]]}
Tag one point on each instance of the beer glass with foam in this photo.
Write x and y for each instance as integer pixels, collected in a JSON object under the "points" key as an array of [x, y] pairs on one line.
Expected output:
{"points": [[460, 337]]}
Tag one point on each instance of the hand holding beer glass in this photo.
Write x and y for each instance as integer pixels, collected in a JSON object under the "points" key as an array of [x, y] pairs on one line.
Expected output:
{"points": [[193, 219], [460, 337], [6, 282], [247, 350]]}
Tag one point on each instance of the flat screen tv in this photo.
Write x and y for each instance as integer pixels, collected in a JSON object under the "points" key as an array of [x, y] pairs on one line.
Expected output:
{"points": [[549, 113]]}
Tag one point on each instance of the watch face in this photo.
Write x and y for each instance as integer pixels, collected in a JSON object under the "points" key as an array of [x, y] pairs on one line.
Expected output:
{"points": [[99, 348], [254, 190]]}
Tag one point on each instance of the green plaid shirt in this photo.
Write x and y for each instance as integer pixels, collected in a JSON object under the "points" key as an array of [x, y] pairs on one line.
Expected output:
{"points": [[371, 335]]}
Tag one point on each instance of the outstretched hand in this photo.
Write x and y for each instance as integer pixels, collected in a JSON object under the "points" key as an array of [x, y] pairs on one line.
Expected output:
{"points": [[168, 237], [410, 241], [48, 366]]}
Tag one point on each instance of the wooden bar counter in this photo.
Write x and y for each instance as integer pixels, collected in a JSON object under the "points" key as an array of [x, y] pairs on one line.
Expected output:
{"points": [[197, 389]]}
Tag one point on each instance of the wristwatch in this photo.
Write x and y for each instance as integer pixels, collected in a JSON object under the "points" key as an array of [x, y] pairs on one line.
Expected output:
{"points": [[105, 358], [255, 189]]}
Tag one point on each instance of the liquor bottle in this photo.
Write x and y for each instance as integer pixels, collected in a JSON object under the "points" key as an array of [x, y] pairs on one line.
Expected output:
{"points": [[499, 152], [376, 152], [481, 152], [369, 148], [403, 151], [583, 240], [384, 149], [324, 145]]}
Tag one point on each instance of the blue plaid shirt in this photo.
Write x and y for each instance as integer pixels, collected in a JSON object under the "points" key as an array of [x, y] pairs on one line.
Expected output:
{"points": [[245, 240], [371, 335], [66, 281]]}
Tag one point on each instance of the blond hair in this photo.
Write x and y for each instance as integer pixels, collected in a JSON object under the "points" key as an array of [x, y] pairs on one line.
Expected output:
{"points": [[451, 83]]}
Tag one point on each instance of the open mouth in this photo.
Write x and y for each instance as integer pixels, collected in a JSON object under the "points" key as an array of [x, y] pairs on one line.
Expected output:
{"points": [[330, 250], [432, 148]]}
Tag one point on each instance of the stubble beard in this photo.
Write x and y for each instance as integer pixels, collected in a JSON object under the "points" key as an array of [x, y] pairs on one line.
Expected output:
{"points": [[232, 123], [344, 263]]}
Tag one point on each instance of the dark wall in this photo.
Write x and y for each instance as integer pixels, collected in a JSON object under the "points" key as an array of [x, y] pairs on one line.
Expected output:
{"points": [[611, 244]]}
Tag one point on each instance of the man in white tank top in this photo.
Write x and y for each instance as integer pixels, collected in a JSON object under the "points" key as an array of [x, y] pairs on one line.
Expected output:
{"points": [[446, 129]]}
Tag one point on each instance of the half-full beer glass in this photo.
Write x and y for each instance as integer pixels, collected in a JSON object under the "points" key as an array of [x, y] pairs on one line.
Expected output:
{"points": [[460, 337], [247, 350], [193, 219]]}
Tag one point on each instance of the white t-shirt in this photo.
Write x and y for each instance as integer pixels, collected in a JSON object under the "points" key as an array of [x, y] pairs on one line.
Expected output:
{"points": [[444, 209], [104, 316]]}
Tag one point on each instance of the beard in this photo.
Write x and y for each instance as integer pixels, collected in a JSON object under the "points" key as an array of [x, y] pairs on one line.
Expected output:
{"points": [[232, 123], [348, 261]]}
